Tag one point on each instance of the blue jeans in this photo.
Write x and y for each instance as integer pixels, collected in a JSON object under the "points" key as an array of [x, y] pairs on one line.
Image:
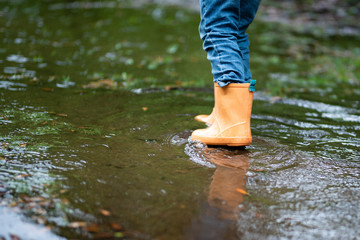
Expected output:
{"points": [[222, 28]]}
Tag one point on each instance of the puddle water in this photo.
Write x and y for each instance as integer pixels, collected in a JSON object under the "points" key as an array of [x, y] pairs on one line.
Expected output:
{"points": [[97, 105]]}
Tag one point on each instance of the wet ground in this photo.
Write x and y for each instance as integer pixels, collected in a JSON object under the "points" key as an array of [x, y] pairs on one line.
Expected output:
{"points": [[97, 104]]}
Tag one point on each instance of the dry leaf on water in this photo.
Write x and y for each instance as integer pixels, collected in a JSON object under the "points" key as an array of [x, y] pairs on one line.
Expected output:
{"points": [[242, 191], [103, 83], [93, 228], [258, 170], [22, 176], [105, 212], [14, 237], [116, 226], [77, 224], [47, 89], [62, 191]]}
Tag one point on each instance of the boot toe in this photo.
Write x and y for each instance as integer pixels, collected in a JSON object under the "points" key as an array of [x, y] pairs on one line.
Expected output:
{"points": [[198, 135], [202, 118]]}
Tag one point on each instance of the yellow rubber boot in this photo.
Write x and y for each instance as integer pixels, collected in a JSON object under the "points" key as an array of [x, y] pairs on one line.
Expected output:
{"points": [[208, 119], [232, 112]]}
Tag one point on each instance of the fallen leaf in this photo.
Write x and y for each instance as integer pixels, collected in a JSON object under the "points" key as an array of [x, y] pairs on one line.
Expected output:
{"points": [[103, 83], [43, 123], [116, 226], [62, 191], [93, 228], [22, 176], [62, 114], [77, 224], [144, 108], [14, 237], [45, 203], [47, 89], [40, 220], [31, 205], [105, 212], [34, 199], [242, 191]]}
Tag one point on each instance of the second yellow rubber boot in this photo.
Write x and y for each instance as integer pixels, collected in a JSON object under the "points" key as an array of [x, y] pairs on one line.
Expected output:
{"points": [[232, 112], [208, 119]]}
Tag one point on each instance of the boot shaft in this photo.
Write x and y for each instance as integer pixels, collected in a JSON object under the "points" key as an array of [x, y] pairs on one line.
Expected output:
{"points": [[233, 104]]}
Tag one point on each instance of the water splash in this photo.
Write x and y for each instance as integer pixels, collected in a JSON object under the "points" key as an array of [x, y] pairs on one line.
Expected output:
{"points": [[195, 150]]}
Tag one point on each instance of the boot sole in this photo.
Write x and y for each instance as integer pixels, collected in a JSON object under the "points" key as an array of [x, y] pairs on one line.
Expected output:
{"points": [[232, 142]]}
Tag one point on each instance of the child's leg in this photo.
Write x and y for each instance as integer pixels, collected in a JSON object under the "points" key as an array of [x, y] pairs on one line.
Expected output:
{"points": [[248, 9], [223, 31], [219, 29]]}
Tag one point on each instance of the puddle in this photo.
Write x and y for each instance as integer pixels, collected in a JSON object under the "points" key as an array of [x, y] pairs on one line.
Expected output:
{"points": [[97, 106]]}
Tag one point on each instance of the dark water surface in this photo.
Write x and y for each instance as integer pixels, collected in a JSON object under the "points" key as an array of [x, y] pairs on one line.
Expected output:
{"points": [[97, 105]]}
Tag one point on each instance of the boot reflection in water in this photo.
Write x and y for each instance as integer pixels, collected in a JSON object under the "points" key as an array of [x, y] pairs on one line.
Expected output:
{"points": [[229, 177], [223, 28], [218, 221]]}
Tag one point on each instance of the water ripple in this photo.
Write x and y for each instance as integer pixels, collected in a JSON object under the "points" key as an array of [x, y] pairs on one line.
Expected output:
{"points": [[326, 110]]}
